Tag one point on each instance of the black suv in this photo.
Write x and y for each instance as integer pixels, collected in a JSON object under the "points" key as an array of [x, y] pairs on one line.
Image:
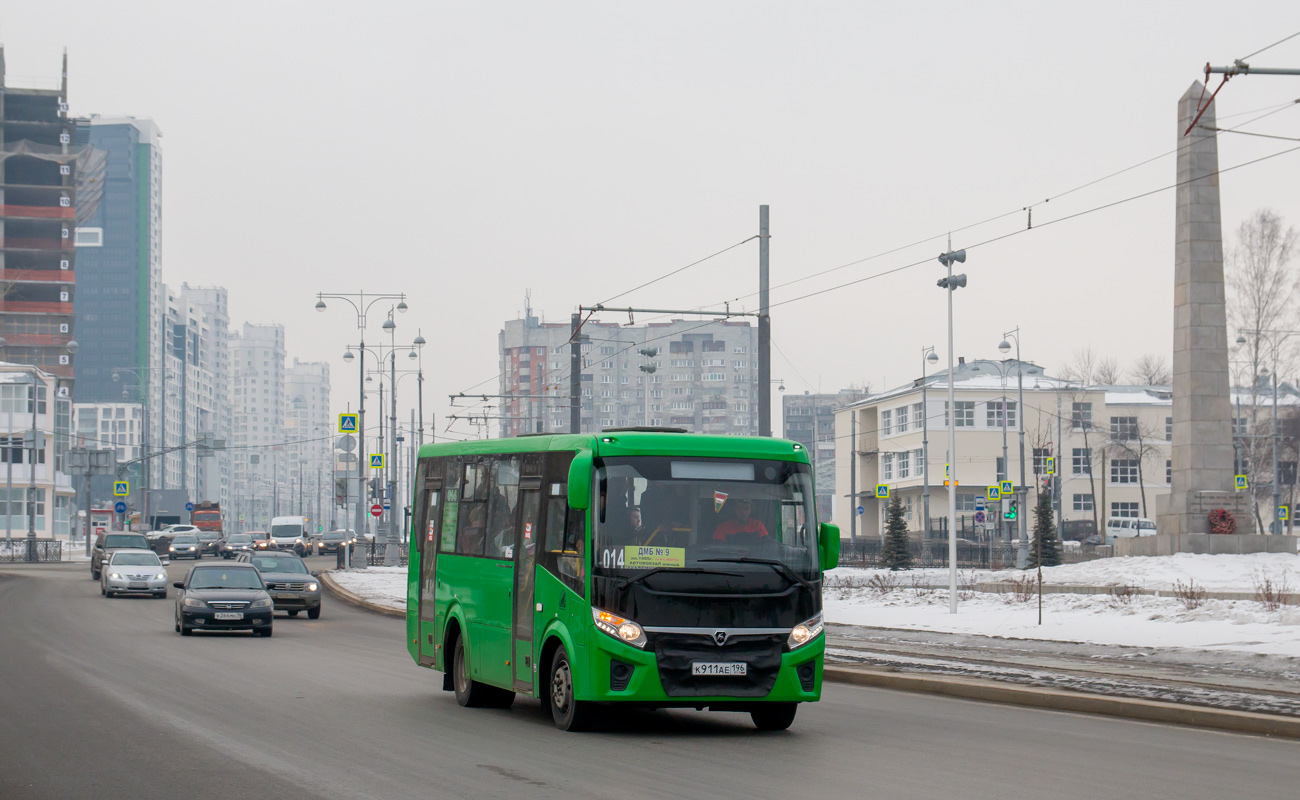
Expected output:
{"points": [[106, 543]]}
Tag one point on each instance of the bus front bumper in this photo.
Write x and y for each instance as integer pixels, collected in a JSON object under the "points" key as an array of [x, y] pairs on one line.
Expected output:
{"points": [[661, 673]]}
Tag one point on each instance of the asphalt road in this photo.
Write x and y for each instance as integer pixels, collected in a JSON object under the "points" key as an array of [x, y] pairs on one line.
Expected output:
{"points": [[101, 699]]}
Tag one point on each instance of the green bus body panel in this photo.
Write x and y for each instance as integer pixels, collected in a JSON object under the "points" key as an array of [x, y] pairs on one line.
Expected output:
{"points": [[481, 602]]}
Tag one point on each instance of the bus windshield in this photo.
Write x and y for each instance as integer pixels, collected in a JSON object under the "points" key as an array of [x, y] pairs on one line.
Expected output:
{"points": [[666, 512]]}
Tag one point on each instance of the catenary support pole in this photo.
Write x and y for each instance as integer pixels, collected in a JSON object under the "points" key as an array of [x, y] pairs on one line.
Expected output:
{"points": [[853, 476], [764, 330], [575, 374]]}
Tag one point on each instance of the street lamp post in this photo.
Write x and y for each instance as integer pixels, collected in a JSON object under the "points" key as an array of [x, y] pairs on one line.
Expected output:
{"points": [[1022, 557], [950, 284], [1274, 525], [361, 305], [927, 356]]}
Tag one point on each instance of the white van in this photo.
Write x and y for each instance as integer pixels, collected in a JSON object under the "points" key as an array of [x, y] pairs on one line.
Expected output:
{"points": [[1128, 527], [289, 533]]}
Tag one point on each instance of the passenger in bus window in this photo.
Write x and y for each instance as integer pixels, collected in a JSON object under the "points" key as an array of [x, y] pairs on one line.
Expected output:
{"points": [[741, 526]]}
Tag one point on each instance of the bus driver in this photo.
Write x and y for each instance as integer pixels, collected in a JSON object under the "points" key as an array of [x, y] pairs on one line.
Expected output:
{"points": [[741, 522]]}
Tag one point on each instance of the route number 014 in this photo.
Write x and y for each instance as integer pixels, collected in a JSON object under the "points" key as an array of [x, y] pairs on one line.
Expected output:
{"points": [[611, 559]]}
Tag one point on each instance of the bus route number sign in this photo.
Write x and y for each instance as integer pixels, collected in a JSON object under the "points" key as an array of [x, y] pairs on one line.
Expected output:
{"points": [[644, 557]]}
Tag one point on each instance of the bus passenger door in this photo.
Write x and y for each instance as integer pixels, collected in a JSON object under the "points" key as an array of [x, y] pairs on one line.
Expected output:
{"points": [[430, 508], [525, 566]]}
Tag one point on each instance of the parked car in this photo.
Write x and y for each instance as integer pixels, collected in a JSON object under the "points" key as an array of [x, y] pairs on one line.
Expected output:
{"points": [[223, 597], [331, 541], [292, 586], [186, 545], [236, 543], [106, 543], [261, 540], [1128, 527], [134, 572]]}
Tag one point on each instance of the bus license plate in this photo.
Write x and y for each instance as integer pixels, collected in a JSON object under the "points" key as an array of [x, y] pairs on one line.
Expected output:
{"points": [[719, 668], [228, 615]]}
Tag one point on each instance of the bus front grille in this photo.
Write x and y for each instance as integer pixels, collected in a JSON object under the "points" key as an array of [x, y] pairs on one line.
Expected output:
{"points": [[676, 652]]}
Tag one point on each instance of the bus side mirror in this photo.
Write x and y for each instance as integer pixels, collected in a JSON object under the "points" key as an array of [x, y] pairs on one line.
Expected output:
{"points": [[828, 545], [580, 480]]}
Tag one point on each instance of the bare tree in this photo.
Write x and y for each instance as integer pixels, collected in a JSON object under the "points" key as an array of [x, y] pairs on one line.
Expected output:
{"points": [[1137, 445], [1108, 372], [1082, 367], [1150, 370]]}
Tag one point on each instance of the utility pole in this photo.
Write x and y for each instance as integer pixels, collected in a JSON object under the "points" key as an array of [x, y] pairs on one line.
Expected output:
{"points": [[950, 284], [575, 373], [853, 476], [764, 330]]}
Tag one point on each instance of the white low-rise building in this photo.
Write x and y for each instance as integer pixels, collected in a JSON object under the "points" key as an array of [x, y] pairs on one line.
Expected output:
{"points": [[31, 400]]}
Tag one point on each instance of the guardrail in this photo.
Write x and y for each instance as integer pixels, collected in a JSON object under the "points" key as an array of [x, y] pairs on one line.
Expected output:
{"points": [[23, 549], [973, 555], [375, 554]]}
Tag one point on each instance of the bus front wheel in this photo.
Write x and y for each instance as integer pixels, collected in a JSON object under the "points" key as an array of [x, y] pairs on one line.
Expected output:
{"points": [[569, 714], [774, 716]]}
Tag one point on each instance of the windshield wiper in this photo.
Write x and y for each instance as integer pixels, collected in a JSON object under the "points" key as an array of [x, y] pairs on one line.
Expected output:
{"points": [[623, 583], [779, 566]]}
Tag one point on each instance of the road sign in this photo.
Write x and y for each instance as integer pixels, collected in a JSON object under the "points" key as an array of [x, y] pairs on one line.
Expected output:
{"points": [[882, 491], [861, 511], [119, 507], [995, 493], [1241, 481], [1008, 487], [376, 460], [348, 423], [1283, 513], [979, 504], [376, 510], [189, 506], [121, 489], [1051, 465], [347, 443], [979, 516]]}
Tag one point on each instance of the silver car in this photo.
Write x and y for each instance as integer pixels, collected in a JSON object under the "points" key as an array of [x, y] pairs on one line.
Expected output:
{"points": [[134, 572]]}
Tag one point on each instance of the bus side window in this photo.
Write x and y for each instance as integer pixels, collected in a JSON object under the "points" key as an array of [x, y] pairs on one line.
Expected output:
{"points": [[472, 536], [450, 506]]}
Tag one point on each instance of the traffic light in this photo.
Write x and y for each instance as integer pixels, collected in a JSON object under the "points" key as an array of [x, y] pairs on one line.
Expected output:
{"points": [[1013, 509]]}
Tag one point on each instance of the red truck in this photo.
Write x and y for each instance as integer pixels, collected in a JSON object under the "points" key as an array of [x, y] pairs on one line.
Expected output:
{"points": [[206, 517]]}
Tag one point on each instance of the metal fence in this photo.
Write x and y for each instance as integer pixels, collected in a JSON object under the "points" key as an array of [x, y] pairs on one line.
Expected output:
{"points": [[374, 553], [970, 555], [13, 550]]}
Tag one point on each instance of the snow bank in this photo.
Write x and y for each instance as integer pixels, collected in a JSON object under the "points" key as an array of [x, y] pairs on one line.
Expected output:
{"points": [[385, 586], [1229, 573], [1144, 621]]}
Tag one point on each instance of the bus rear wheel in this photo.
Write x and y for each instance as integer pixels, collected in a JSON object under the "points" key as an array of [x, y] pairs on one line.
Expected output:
{"points": [[469, 692], [568, 713], [774, 716]]}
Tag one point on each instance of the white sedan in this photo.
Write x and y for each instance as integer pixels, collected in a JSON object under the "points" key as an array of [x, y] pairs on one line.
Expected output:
{"points": [[134, 572]]}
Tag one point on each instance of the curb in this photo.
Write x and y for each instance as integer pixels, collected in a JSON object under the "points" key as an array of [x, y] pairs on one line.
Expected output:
{"points": [[1055, 699], [351, 598]]}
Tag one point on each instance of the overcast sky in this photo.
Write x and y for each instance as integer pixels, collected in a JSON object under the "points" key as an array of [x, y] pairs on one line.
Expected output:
{"points": [[464, 153]]}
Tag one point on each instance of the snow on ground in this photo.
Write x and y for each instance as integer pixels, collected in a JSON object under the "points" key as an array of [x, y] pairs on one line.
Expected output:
{"points": [[1231, 573], [385, 586], [1143, 621]]}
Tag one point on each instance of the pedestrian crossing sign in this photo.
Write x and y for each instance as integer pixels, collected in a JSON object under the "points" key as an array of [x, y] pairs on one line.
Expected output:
{"points": [[121, 488], [882, 491], [1051, 465], [1241, 481], [1008, 487], [1283, 513], [995, 492], [376, 460], [347, 423]]}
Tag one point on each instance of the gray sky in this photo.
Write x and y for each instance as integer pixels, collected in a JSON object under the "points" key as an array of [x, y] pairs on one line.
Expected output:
{"points": [[465, 152]]}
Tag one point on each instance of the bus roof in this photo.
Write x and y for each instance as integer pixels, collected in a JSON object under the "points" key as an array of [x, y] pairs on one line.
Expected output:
{"points": [[630, 443]]}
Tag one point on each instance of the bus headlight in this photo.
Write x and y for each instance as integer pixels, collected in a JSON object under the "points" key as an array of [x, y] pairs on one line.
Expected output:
{"points": [[805, 632], [625, 630]]}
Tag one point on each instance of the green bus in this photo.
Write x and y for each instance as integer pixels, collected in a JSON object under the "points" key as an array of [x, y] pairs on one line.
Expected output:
{"points": [[645, 566]]}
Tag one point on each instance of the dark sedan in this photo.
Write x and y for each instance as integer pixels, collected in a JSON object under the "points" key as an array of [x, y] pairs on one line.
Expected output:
{"points": [[331, 541], [228, 597], [236, 543], [292, 586], [211, 541]]}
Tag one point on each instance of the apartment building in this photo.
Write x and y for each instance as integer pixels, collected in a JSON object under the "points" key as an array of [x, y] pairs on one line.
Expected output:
{"points": [[809, 419], [309, 433], [701, 376], [37, 493], [257, 356]]}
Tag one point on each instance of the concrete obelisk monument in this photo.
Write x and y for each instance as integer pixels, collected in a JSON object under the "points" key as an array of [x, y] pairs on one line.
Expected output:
{"points": [[1202, 445]]}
